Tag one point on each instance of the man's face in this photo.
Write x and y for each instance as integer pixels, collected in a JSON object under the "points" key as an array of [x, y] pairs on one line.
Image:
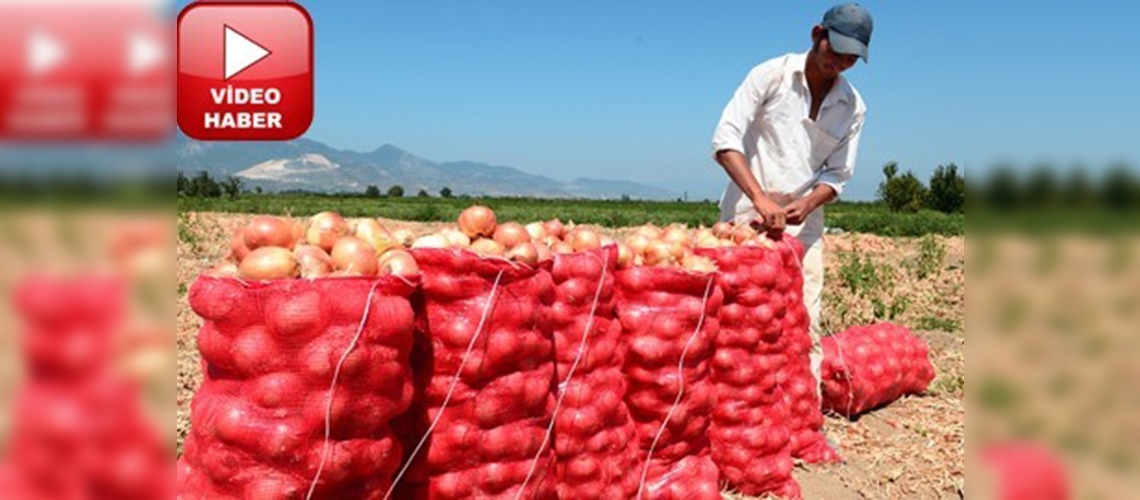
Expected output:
{"points": [[831, 63]]}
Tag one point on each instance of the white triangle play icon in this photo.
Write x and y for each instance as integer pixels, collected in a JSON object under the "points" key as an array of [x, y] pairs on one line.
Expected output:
{"points": [[143, 53], [241, 52], [44, 53]]}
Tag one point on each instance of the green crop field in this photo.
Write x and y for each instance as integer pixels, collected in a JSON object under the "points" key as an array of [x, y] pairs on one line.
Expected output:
{"points": [[851, 217]]}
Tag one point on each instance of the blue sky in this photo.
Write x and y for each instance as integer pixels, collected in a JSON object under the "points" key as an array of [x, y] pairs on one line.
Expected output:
{"points": [[632, 90]]}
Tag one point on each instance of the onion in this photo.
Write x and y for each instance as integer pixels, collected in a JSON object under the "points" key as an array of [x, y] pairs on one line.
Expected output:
{"points": [[354, 257], [722, 229], [637, 243], [743, 233], [707, 240], [374, 234], [658, 253], [325, 228], [700, 264], [431, 241], [561, 248], [268, 263], [677, 250], [554, 228], [314, 261], [583, 239], [224, 270], [456, 238], [477, 220], [525, 253], [536, 230], [625, 256], [487, 246], [550, 240], [545, 254], [403, 235], [510, 234], [649, 231], [238, 249], [268, 231], [399, 263], [675, 234]]}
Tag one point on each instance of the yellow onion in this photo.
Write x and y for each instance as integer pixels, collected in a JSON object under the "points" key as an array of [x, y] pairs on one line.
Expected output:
{"points": [[267, 263], [325, 229], [354, 257], [399, 263], [477, 220]]}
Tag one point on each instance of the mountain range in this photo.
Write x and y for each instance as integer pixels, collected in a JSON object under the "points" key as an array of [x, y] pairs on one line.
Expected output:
{"points": [[308, 165]]}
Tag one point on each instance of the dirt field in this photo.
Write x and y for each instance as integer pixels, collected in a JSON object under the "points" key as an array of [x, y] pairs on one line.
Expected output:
{"points": [[912, 449]]}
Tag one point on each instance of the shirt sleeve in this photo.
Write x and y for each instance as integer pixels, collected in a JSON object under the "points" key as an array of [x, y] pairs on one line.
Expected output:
{"points": [[745, 105], [840, 166]]}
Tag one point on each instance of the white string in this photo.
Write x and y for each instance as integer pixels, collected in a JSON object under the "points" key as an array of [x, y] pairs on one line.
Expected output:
{"points": [[839, 347], [569, 374], [332, 391], [681, 388], [450, 389]]}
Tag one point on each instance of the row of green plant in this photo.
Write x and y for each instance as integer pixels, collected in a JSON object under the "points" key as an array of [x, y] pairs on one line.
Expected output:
{"points": [[851, 217]]}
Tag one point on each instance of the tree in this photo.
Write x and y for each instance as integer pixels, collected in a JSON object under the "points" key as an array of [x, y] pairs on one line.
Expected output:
{"points": [[203, 186], [182, 184], [1042, 190], [1118, 189], [1001, 190], [947, 190], [372, 191], [258, 190], [232, 187], [422, 194], [396, 191], [445, 192], [903, 193]]}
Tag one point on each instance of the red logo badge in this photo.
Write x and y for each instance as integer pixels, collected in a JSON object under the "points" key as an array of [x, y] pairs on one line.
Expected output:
{"points": [[245, 71]]}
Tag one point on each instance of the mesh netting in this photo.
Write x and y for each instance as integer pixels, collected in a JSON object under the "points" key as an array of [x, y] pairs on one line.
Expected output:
{"points": [[867, 367], [78, 429], [669, 323], [301, 381], [485, 370], [593, 427]]}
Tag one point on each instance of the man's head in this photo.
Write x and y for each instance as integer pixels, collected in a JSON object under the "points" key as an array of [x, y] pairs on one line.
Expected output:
{"points": [[841, 38]]}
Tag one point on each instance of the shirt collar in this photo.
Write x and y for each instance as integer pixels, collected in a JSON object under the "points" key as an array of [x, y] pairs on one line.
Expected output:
{"points": [[840, 91]]}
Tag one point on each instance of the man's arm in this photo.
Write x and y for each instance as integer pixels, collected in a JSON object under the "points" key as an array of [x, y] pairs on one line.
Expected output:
{"points": [[736, 165], [728, 140]]}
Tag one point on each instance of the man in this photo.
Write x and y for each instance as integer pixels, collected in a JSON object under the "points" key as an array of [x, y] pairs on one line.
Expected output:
{"points": [[788, 140]]}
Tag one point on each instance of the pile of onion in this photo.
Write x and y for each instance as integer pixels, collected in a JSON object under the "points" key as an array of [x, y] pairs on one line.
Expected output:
{"points": [[328, 245]]}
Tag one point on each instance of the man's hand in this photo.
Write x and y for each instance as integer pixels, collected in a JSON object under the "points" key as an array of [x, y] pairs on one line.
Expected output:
{"points": [[798, 211], [773, 218]]}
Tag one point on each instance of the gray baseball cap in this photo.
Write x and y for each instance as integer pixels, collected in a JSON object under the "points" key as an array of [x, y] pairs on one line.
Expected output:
{"points": [[849, 29]]}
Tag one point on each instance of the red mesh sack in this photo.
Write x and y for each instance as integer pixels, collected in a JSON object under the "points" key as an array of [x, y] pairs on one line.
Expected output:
{"points": [[799, 387], [1027, 471], [669, 318], [73, 406], [485, 381], [867, 367], [593, 428], [301, 381], [750, 428]]}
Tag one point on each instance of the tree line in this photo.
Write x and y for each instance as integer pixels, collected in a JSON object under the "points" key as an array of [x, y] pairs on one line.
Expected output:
{"points": [[1005, 188], [202, 185]]}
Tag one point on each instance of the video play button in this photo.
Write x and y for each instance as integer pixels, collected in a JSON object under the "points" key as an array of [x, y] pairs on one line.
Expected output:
{"points": [[241, 52], [44, 53], [245, 70]]}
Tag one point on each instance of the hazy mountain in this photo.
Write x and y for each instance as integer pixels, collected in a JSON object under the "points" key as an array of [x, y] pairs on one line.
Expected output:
{"points": [[309, 165]]}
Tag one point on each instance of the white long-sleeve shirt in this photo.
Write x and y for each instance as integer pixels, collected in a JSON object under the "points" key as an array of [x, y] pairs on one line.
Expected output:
{"points": [[768, 121]]}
